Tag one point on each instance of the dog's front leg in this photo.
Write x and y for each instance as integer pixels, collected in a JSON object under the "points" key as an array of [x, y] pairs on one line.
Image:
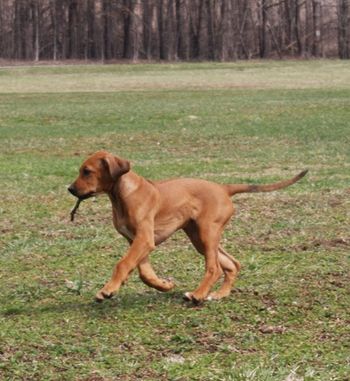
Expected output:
{"points": [[142, 245]]}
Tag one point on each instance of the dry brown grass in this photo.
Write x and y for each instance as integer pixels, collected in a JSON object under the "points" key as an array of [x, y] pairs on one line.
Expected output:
{"points": [[325, 74]]}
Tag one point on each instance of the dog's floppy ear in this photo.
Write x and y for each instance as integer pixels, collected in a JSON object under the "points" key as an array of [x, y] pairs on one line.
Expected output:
{"points": [[115, 166]]}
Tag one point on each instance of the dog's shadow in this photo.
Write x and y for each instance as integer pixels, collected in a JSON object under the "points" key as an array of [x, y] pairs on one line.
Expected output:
{"points": [[137, 302]]}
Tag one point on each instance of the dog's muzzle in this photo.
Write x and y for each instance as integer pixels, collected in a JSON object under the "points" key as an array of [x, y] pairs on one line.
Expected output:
{"points": [[81, 197], [73, 191]]}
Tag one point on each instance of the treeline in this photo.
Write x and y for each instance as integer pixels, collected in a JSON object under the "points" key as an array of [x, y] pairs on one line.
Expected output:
{"points": [[173, 29]]}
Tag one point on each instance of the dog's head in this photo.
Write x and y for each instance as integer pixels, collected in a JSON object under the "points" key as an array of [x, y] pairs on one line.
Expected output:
{"points": [[97, 174]]}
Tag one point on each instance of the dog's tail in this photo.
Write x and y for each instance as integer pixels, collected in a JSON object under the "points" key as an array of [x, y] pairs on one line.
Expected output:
{"points": [[248, 188]]}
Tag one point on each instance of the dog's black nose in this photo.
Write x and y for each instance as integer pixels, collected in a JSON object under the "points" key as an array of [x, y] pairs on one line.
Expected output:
{"points": [[72, 190]]}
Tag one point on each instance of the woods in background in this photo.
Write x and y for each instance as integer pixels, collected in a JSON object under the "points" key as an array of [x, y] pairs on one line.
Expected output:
{"points": [[173, 29]]}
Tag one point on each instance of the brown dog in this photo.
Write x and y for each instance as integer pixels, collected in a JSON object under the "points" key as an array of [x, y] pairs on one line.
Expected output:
{"points": [[146, 213]]}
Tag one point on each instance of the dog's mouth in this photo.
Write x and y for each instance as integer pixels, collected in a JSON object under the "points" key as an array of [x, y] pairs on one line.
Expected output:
{"points": [[72, 190], [86, 196], [80, 198]]}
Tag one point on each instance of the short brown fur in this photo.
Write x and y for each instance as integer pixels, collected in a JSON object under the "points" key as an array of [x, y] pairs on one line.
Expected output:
{"points": [[146, 213]]}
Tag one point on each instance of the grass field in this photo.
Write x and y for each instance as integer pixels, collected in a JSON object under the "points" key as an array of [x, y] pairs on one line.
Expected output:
{"points": [[289, 316]]}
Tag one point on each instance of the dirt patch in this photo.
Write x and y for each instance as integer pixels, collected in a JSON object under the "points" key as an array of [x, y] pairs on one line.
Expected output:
{"points": [[271, 329], [322, 243]]}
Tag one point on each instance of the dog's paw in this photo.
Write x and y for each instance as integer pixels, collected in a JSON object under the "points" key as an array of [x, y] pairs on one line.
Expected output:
{"points": [[190, 297], [217, 295], [187, 296], [213, 296], [99, 298], [167, 285], [102, 295]]}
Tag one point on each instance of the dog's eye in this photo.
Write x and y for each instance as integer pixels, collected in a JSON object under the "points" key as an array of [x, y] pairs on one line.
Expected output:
{"points": [[86, 172]]}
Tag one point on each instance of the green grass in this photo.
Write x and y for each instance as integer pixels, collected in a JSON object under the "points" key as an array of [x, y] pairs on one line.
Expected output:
{"points": [[243, 122]]}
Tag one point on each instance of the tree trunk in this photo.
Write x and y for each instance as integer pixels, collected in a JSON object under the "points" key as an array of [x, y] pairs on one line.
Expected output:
{"points": [[224, 28], [36, 31], [296, 28], [91, 50], [147, 13], [262, 34], [2, 45], [53, 11], [135, 27], [72, 29], [210, 30], [126, 28], [105, 30], [343, 10], [161, 29], [182, 29], [242, 17], [171, 31], [316, 48], [17, 31], [196, 20]]}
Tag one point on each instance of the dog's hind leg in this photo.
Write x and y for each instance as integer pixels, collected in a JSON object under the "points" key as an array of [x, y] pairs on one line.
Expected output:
{"points": [[231, 268], [206, 241], [149, 277]]}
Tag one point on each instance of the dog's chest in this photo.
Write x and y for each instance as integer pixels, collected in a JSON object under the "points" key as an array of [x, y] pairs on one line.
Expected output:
{"points": [[123, 230], [120, 224]]}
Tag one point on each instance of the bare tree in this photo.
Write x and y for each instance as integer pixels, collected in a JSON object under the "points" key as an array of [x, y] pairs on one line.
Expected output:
{"points": [[36, 23], [173, 29], [147, 18], [316, 47], [343, 11]]}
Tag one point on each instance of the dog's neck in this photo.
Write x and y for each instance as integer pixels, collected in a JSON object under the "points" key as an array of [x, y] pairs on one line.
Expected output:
{"points": [[124, 186]]}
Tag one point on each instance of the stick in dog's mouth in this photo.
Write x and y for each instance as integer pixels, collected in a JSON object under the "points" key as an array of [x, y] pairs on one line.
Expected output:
{"points": [[74, 210]]}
